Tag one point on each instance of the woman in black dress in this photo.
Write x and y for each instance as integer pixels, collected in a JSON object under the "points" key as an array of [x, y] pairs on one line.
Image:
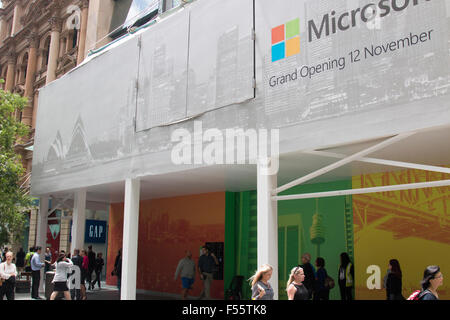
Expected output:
{"points": [[394, 281], [295, 288]]}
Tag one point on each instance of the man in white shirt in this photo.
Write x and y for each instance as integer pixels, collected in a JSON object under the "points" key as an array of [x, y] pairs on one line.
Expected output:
{"points": [[8, 273]]}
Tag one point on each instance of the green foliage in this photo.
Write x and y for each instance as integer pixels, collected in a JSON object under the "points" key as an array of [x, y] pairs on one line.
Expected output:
{"points": [[13, 199]]}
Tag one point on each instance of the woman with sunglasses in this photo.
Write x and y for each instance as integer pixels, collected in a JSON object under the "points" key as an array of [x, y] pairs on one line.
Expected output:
{"points": [[295, 288]]}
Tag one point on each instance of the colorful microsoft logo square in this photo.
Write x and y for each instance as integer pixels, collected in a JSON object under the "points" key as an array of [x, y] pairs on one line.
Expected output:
{"points": [[286, 40]]}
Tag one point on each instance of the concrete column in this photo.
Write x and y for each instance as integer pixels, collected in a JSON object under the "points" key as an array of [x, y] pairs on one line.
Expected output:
{"points": [[130, 239], [33, 228], [78, 220], [27, 114], [267, 225], [10, 74], [83, 30], [55, 24], [64, 243], [35, 107], [16, 20], [41, 237]]}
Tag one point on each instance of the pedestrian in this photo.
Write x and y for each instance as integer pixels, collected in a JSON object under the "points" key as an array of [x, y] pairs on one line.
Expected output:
{"points": [[206, 264], [36, 266], [295, 288], [84, 273], [321, 292], [99, 263], [28, 257], [77, 261], [261, 288], [91, 266], [8, 273], [118, 270], [63, 265], [47, 257], [5, 250], [186, 270], [310, 273], [394, 281], [346, 276], [432, 280], [20, 260]]}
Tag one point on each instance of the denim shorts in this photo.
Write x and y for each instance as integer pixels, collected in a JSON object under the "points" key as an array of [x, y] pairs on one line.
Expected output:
{"points": [[187, 282]]}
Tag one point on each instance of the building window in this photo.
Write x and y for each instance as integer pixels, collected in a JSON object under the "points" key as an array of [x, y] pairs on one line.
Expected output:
{"points": [[46, 52], [74, 38], [132, 13]]}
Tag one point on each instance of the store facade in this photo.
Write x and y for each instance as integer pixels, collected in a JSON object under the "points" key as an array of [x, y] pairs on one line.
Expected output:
{"points": [[335, 82]]}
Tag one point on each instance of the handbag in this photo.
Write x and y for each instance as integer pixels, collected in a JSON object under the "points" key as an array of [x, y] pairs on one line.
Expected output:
{"points": [[329, 282]]}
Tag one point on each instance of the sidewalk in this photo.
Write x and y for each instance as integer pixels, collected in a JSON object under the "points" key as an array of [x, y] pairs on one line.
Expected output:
{"points": [[106, 293]]}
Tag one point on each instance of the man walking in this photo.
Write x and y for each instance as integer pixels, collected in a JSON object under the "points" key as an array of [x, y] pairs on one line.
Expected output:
{"points": [[310, 273], [91, 267], [36, 266], [206, 264], [77, 261], [186, 270]]}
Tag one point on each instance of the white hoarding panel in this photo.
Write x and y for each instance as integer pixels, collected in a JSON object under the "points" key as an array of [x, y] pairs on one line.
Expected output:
{"points": [[86, 118], [163, 72], [221, 54], [324, 58], [328, 73]]}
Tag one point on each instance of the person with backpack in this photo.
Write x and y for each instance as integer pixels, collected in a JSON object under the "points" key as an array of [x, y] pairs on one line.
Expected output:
{"points": [[28, 257], [322, 290], [432, 279]]}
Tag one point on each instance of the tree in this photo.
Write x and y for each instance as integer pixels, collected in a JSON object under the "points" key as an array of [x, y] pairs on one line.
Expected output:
{"points": [[13, 199]]}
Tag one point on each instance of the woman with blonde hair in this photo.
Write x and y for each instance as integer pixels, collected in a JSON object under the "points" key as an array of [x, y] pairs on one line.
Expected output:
{"points": [[295, 288], [261, 288]]}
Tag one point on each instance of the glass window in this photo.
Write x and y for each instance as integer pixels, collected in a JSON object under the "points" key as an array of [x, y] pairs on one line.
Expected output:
{"points": [[139, 9], [132, 12]]}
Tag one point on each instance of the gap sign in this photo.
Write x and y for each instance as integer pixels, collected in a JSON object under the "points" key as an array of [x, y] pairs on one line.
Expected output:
{"points": [[95, 231]]}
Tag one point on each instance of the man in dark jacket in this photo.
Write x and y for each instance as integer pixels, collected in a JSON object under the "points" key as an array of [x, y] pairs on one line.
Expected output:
{"points": [[310, 273], [77, 261], [91, 266]]}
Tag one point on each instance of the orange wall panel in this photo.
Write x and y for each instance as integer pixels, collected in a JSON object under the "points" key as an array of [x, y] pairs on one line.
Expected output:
{"points": [[168, 227]]}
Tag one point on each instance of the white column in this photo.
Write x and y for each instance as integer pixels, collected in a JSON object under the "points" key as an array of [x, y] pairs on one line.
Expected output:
{"points": [[78, 220], [267, 223], [130, 239], [41, 237]]}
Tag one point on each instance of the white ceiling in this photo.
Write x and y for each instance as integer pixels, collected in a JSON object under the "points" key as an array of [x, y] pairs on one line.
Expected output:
{"points": [[427, 147]]}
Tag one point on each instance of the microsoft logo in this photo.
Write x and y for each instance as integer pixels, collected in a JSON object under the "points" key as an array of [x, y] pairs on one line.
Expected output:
{"points": [[286, 40]]}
